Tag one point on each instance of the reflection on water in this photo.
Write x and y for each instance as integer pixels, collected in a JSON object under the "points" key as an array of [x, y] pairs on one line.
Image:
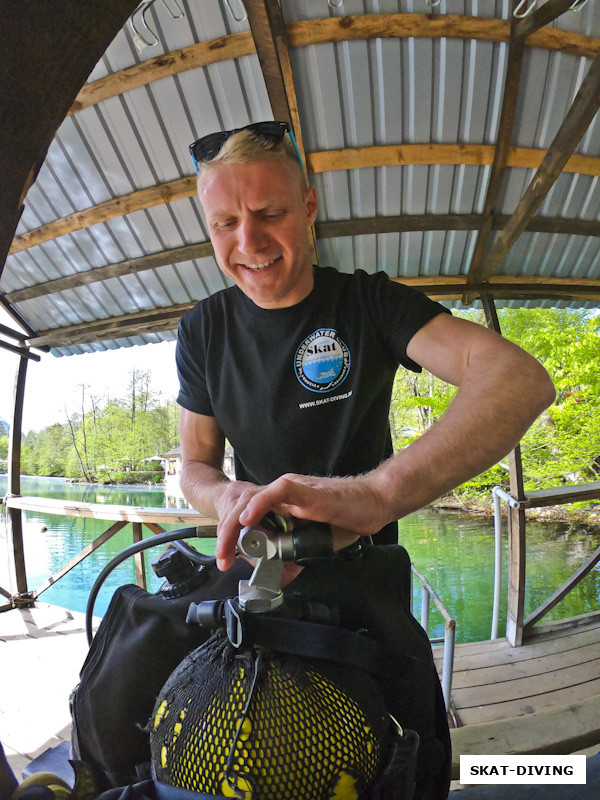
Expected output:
{"points": [[455, 552]]}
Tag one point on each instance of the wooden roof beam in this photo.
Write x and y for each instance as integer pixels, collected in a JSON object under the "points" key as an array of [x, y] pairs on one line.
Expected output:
{"points": [[516, 49], [137, 324], [512, 82], [268, 32], [130, 266], [401, 223], [271, 41], [576, 122], [437, 287], [330, 29], [544, 15], [324, 161]]}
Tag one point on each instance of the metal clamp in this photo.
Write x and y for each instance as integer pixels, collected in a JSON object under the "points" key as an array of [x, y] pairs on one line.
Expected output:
{"points": [[269, 544], [263, 591]]}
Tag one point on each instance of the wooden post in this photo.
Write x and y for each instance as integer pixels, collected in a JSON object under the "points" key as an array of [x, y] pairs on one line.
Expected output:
{"points": [[140, 572], [516, 553], [14, 478], [517, 522]]}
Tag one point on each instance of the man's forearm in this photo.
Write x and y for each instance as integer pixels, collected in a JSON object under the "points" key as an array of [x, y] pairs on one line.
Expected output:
{"points": [[492, 410], [202, 486]]}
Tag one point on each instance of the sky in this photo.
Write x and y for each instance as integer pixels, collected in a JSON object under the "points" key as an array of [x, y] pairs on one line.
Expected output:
{"points": [[53, 382]]}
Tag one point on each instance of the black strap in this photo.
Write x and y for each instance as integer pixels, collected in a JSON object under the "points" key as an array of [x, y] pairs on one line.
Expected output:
{"points": [[313, 640], [398, 778]]}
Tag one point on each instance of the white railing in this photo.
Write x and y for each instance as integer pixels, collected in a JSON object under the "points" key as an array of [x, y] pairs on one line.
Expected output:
{"points": [[428, 593]]}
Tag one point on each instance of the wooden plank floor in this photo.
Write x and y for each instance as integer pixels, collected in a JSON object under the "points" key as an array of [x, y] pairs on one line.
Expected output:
{"points": [[559, 664], [42, 650]]}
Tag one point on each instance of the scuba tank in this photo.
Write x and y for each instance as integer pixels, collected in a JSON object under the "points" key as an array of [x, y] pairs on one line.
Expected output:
{"points": [[340, 633]]}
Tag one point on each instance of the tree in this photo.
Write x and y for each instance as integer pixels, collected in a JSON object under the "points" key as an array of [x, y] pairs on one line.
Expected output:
{"points": [[563, 445]]}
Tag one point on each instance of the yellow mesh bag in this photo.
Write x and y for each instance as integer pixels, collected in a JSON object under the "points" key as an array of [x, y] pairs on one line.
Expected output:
{"points": [[268, 726]]}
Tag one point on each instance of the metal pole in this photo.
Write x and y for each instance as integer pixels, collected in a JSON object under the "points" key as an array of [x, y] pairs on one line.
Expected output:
{"points": [[14, 480], [448, 667], [425, 609], [497, 562]]}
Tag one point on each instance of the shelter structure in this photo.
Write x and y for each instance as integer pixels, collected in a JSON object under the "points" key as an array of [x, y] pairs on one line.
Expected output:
{"points": [[455, 145]]}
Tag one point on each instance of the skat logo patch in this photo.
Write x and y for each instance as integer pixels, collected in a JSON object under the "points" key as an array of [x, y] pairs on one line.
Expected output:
{"points": [[322, 361]]}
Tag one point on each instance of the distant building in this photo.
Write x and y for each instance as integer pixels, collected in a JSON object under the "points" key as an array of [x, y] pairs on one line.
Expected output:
{"points": [[172, 462]]}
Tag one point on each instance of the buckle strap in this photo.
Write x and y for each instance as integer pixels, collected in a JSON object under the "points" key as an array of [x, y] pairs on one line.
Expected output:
{"points": [[313, 640]]}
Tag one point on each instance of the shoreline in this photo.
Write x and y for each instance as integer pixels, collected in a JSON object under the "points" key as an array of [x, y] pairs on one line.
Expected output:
{"points": [[582, 518], [575, 517]]}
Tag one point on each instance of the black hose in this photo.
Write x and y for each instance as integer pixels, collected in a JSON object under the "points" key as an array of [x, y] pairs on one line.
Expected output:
{"points": [[194, 555], [133, 549]]}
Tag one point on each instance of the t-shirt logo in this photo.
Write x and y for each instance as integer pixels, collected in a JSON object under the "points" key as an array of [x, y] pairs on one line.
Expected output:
{"points": [[322, 361]]}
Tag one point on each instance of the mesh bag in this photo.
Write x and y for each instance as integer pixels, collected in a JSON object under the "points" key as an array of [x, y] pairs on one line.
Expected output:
{"points": [[268, 726]]}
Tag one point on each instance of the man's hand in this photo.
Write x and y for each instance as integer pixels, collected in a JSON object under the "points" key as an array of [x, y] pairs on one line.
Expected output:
{"points": [[350, 505], [232, 502]]}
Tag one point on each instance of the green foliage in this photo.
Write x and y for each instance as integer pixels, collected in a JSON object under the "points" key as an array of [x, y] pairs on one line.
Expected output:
{"points": [[563, 445], [135, 476], [107, 441]]}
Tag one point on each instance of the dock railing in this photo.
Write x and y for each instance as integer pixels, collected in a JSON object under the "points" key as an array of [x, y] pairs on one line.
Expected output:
{"points": [[154, 519], [428, 594], [120, 516], [537, 499]]}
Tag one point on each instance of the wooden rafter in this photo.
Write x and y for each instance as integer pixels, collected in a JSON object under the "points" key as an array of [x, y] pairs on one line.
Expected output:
{"points": [[130, 266], [330, 29], [137, 324], [269, 34], [437, 287], [110, 209], [401, 223], [270, 37], [516, 49], [576, 122], [544, 15], [324, 161], [175, 62], [510, 96]]}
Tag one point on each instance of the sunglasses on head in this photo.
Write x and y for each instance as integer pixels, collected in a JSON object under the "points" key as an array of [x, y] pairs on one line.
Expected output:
{"points": [[208, 147]]}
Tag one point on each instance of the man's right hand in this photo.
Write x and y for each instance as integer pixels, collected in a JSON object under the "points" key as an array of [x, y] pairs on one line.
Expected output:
{"points": [[234, 498]]}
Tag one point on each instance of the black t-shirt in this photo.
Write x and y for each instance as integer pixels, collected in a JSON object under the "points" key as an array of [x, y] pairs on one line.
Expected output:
{"points": [[303, 389]]}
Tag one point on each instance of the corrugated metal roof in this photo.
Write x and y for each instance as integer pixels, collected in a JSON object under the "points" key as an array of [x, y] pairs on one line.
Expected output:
{"points": [[389, 90]]}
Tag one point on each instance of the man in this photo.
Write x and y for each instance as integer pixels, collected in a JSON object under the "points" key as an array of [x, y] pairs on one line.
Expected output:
{"points": [[295, 363]]}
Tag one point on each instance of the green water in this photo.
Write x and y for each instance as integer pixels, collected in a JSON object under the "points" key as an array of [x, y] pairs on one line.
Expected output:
{"points": [[455, 552]]}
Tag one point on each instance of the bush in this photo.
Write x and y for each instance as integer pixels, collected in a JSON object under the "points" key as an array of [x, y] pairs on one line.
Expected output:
{"points": [[135, 476]]}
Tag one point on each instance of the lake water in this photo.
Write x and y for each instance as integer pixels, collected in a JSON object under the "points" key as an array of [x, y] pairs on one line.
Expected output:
{"points": [[455, 552]]}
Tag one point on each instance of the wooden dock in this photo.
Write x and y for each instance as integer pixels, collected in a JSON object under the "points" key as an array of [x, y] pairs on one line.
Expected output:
{"points": [[41, 652], [542, 697]]}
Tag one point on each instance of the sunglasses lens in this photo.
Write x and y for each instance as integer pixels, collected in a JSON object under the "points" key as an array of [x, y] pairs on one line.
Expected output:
{"points": [[206, 148], [269, 130]]}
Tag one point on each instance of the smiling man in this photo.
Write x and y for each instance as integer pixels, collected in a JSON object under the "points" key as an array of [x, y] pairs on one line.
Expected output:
{"points": [[294, 365]]}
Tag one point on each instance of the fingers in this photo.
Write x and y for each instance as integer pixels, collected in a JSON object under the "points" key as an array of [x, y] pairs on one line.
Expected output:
{"points": [[283, 496], [343, 503], [229, 527]]}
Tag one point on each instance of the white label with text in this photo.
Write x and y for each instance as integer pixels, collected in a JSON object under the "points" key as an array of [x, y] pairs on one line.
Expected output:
{"points": [[522, 769]]}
